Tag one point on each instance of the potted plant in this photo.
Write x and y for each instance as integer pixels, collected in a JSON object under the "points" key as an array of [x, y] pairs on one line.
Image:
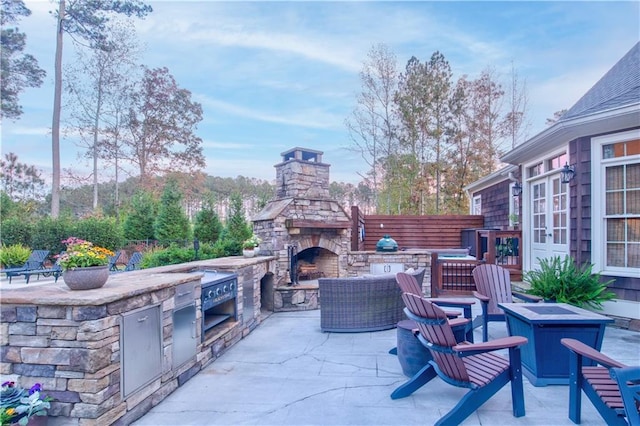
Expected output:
{"points": [[22, 406], [561, 280], [249, 246], [85, 266], [514, 220]]}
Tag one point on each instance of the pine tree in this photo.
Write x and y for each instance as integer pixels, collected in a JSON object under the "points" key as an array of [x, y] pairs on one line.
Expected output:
{"points": [[236, 229], [171, 223], [207, 227], [139, 223]]}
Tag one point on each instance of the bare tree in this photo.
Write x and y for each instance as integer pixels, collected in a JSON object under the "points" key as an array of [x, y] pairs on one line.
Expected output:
{"points": [[486, 104], [83, 20], [556, 116], [371, 124], [95, 84], [516, 122]]}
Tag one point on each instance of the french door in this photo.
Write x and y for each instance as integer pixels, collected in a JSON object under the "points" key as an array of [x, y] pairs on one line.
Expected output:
{"points": [[549, 221]]}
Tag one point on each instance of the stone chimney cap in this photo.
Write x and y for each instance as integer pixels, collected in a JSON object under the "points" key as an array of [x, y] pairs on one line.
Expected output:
{"points": [[302, 154]]}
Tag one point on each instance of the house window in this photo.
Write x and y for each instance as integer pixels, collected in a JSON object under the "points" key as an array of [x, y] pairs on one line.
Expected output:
{"points": [[536, 170], [558, 161], [617, 201], [622, 215], [477, 205]]}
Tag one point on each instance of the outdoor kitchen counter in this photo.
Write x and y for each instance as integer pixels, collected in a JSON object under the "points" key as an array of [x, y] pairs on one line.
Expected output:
{"points": [[105, 354], [119, 286], [122, 285]]}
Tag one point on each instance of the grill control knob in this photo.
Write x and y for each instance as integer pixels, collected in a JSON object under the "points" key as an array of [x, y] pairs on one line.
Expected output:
{"points": [[225, 289], [218, 291], [232, 286], [210, 293]]}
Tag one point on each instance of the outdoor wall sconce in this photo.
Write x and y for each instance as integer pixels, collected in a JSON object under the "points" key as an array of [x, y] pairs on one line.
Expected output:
{"points": [[567, 173], [516, 189]]}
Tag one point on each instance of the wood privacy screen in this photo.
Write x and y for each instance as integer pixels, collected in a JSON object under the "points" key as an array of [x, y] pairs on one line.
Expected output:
{"points": [[411, 231]]}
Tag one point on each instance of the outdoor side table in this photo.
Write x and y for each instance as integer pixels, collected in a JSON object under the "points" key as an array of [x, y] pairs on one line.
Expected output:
{"points": [[544, 358]]}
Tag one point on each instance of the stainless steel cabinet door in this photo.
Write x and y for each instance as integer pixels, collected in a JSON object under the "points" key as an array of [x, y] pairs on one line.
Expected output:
{"points": [[184, 334], [140, 348]]}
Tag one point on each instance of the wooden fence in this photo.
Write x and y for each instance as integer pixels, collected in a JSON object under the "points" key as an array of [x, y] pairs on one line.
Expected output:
{"points": [[411, 231]]}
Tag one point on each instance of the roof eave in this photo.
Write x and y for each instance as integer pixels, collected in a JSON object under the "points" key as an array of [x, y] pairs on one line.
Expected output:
{"points": [[564, 131], [490, 180]]}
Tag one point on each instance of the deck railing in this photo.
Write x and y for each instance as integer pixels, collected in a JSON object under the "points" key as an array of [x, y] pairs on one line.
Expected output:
{"points": [[503, 248], [451, 274]]}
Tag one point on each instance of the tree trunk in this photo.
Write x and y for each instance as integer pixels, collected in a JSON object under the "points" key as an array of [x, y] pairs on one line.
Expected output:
{"points": [[55, 125], [96, 127]]}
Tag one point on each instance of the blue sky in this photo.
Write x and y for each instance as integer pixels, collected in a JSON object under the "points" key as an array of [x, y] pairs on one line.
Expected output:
{"points": [[275, 75]]}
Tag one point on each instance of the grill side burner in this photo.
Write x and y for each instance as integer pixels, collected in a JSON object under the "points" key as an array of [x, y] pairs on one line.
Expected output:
{"points": [[218, 298]]}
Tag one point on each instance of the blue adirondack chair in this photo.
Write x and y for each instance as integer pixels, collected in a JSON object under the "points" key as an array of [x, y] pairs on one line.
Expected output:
{"points": [[493, 284], [612, 387], [467, 365], [462, 329], [35, 261]]}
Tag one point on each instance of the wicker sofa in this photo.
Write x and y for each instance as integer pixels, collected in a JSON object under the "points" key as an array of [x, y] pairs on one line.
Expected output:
{"points": [[360, 304]]}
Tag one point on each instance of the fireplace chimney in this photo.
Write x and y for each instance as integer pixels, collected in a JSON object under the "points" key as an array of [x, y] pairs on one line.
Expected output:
{"points": [[302, 174]]}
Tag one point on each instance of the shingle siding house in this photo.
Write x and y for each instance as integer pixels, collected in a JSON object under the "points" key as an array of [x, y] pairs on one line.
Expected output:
{"points": [[596, 216]]}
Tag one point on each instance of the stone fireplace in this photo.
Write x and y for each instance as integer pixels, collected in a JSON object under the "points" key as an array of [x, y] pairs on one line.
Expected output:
{"points": [[302, 226]]}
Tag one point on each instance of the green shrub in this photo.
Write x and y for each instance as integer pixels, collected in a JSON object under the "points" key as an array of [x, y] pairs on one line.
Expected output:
{"points": [[207, 251], [15, 230], [101, 232], [562, 281], [171, 255], [49, 233], [226, 247], [14, 255]]}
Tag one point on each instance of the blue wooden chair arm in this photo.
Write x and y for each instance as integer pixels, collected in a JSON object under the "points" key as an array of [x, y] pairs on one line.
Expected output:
{"points": [[528, 298], [481, 297], [584, 350]]}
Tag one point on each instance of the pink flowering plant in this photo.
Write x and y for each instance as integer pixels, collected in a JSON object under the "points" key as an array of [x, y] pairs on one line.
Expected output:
{"points": [[82, 254], [19, 405]]}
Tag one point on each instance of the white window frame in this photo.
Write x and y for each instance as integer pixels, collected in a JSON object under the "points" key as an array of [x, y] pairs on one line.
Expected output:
{"points": [[598, 199], [476, 205]]}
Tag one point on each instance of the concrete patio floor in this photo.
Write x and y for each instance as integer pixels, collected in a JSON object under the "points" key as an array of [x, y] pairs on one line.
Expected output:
{"points": [[287, 372]]}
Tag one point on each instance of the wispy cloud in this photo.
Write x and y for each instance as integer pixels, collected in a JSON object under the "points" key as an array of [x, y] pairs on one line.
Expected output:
{"points": [[317, 118], [30, 131]]}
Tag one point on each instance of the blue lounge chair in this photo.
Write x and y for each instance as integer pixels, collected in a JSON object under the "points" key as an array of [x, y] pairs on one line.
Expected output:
{"points": [[34, 262], [133, 263], [113, 259], [55, 270]]}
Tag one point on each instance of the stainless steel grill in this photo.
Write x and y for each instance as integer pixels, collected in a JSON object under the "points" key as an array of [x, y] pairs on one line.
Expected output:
{"points": [[218, 299]]}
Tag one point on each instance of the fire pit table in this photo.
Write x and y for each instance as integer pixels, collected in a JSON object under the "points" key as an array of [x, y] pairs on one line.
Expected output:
{"points": [[544, 358]]}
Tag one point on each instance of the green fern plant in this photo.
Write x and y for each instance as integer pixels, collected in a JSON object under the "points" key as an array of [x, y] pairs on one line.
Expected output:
{"points": [[14, 255], [563, 281]]}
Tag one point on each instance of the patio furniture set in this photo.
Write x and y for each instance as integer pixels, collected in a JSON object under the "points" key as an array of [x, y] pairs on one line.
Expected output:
{"points": [[556, 343], [36, 265]]}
